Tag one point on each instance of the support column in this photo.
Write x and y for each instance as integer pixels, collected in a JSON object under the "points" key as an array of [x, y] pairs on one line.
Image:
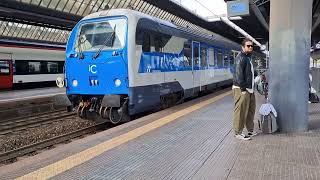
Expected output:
{"points": [[290, 42]]}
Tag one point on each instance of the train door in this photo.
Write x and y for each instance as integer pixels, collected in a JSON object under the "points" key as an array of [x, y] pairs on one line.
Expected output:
{"points": [[6, 73], [196, 73], [203, 66]]}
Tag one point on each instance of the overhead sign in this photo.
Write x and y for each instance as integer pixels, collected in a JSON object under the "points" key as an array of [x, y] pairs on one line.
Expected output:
{"points": [[238, 8]]}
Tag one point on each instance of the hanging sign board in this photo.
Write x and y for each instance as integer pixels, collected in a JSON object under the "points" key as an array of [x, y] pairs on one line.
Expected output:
{"points": [[238, 8]]}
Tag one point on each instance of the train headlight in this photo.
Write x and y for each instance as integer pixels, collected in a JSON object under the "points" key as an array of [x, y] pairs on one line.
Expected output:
{"points": [[74, 83], [117, 82]]}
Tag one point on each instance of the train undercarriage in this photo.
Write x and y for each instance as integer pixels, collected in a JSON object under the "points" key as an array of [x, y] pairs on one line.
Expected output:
{"points": [[112, 108]]}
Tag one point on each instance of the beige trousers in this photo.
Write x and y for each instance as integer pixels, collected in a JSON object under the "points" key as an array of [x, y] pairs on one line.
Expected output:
{"points": [[244, 109]]}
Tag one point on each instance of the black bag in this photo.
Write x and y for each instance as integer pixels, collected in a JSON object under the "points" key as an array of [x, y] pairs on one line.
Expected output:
{"points": [[313, 98]]}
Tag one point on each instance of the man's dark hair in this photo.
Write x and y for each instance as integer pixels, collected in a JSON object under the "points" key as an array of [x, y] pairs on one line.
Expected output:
{"points": [[246, 40]]}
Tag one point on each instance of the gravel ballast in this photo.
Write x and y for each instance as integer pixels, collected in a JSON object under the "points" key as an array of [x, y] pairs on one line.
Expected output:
{"points": [[40, 133]]}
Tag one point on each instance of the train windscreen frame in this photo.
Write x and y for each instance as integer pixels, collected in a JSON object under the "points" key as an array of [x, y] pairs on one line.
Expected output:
{"points": [[95, 35]]}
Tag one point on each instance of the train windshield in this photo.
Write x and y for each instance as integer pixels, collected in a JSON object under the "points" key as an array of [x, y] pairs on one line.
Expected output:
{"points": [[106, 35]]}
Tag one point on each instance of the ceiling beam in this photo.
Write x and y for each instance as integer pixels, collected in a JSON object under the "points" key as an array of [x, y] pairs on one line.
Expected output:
{"points": [[261, 2], [36, 14], [259, 15], [216, 27], [316, 24]]}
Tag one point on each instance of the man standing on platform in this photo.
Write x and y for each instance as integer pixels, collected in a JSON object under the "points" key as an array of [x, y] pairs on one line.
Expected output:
{"points": [[244, 99]]}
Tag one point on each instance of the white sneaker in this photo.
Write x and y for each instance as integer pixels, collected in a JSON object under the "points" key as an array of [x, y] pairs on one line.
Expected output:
{"points": [[251, 134], [242, 137]]}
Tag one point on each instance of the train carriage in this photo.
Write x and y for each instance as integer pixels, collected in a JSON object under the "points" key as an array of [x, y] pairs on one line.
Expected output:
{"points": [[122, 62], [30, 66]]}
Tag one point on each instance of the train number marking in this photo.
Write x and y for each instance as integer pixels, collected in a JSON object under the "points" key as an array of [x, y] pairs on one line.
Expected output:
{"points": [[93, 69]]}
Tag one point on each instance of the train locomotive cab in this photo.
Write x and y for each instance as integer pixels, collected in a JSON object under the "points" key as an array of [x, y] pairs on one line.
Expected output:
{"points": [[96, 68]]}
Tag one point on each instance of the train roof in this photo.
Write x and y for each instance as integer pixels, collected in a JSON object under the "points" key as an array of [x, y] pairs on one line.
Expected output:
{"points": [[215, 38], [125, 12]]}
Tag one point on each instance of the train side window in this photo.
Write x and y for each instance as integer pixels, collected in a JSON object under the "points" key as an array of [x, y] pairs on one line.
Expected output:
{"points": [[157, 43], [4, 68], [146, 43], [52, 67], [152, 49], [196, 56], [211, 57], [44, 67], [226, 59], [34, 67], [219, 58], [203, 51], [172, 44], [60, 67], [22, 67], [187, 54], [231, 56]]}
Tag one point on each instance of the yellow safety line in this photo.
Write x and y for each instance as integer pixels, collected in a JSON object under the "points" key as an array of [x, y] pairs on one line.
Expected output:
{"points": [[81, 157]]}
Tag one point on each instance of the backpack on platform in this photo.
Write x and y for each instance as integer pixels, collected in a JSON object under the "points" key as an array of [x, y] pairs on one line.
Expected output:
{"points": [[267, 122]]}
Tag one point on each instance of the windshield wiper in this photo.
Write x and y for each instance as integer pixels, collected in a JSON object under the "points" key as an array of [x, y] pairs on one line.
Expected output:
{"points": [[112, 36], [81, 56]]}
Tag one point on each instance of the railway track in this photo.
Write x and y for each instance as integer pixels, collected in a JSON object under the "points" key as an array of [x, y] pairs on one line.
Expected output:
{"points": [[28, 116], [49, 142], [22, 123]]}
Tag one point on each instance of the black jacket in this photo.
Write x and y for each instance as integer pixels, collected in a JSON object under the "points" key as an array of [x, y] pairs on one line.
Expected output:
{"points": [[242, 76]]}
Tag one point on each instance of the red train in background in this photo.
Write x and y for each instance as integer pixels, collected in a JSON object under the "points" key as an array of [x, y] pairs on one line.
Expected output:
{"points": [[6, 74], [30, 65]]}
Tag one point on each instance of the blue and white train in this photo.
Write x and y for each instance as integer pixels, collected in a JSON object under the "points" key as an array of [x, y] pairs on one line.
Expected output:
{"points": [[122, 62]]}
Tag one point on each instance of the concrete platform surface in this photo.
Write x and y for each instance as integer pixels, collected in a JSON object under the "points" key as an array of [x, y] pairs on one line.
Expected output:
{"points": [[25, 94], [190, 141]]}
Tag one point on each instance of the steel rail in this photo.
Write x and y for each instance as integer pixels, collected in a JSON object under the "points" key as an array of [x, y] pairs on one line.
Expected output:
{"points": [[27, 123], [49, 142]]}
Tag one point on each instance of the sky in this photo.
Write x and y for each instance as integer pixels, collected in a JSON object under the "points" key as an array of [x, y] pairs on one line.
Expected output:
{"points": [[204, 8]]}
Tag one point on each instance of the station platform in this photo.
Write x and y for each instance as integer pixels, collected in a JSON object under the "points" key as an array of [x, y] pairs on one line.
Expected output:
{"points": [[18, 103], [26, 94], [193, 140]]}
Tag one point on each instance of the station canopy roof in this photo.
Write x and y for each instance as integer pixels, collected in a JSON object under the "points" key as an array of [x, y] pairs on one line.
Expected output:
{"points": [[52, 20], [257, 24]]}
